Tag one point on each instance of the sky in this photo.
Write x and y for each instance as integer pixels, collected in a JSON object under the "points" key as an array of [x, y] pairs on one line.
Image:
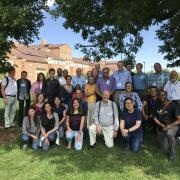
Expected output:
{"points": [[54, 32]]}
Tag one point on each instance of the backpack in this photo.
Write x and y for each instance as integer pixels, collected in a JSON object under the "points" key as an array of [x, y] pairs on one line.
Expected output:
{"points": [[112, 110], [7, 82]]}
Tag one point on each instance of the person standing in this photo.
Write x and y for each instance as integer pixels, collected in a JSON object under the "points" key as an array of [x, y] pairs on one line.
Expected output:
{"points": [[23, 95], [62, 79], [79, 79], [121, 76], [129, 68], [9, 93], [59, 73], [99, 72]]}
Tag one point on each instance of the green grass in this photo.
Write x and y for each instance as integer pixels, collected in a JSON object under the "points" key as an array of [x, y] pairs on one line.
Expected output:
{"points": [[101, 163]]}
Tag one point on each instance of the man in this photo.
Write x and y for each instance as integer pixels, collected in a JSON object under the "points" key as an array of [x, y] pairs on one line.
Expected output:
{"points": [[97, 67], [23, 95], [129, 68], [121, 76], [79, 79], [172, 87], [159, 78], [9, 92], [106, 121], [59, 73], [62, 79], [105, 83], [167, 118], [140, 80], [51, 87]]}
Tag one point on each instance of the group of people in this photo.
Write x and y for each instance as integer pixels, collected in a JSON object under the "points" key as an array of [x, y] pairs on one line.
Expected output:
{"points": [[77, 107]]}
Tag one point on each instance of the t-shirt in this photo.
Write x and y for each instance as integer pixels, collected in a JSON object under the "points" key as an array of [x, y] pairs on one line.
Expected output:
{"points": [[167, 114], [130, 120], [59, 110]]}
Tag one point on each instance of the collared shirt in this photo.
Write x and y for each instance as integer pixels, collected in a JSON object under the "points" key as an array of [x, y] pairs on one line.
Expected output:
{"points": [[106, 115], [121, 77], [103, 84], [62, 80], [158, 79], [79, 80], [135, 98], [11, 88], [140, 81], [173, 90]]}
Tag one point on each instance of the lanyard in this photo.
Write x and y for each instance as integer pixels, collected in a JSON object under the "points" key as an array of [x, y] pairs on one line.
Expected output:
{"points": [[171, 88]]}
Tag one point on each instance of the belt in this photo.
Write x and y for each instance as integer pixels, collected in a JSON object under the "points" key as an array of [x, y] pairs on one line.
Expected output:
{"points": [[11, 95], [120, 89]]}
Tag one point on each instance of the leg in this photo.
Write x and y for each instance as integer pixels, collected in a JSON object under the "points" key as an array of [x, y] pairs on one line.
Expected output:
{"points": [[28, 103], [45, 146], [126, 142], [108, 136], [21, 111], [69, 137], [12, 112], [6, 114], [52, 137], [92, 134], [78, 143], [61, 131], [35, 145], [90, 114], [25, 138], [135, 142]]}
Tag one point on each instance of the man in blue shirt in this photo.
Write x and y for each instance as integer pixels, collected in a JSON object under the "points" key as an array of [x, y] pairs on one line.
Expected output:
{"points": [[79, 79], [140, 80]]}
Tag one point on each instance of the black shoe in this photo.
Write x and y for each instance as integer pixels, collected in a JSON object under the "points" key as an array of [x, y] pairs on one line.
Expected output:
{"points": [[172, 157], [92, 147]]}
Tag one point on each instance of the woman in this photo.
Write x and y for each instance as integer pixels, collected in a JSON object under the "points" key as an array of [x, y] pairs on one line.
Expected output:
{"points": [[77, 87], [31, 129], [49, 126], [61, 111], [67, 90], [130, 126], [129, 93], [94, 74], [37, 85], [75, 124], [39, 103], [90, 96]]}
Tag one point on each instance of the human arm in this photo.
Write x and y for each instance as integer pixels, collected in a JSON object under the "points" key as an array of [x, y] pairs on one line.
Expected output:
{"points": [[146, 117], [56, 125], [116, 120], [97, 89], [64, 117], [67, 123], [80, 128], [139, 103], [135, 127], [122, 128]]}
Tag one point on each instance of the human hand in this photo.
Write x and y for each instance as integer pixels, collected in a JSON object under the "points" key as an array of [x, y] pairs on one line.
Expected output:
{"points": [[98, 129], [5, 100], [46, 141], [114, 134]]}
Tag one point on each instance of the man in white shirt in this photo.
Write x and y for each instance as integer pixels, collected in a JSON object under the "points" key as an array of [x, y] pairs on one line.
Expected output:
{"points": [[172, 87], [62, 79], [9, 92], [79, 79]]}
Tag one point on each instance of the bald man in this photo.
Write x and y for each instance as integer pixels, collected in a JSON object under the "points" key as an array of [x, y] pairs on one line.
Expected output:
{"points": [[106, 121]]}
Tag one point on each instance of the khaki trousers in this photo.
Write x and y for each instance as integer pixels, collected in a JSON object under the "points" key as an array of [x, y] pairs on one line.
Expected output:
{"points": [[91, 107]]}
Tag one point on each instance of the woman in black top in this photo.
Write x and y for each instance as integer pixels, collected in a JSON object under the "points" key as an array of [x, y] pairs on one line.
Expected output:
{"points": [[49, 126], [75, 124], [60, 109]]}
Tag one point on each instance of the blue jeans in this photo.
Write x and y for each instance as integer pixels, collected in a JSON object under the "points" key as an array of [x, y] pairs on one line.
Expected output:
{"points": [[51, 138], [133, 141], [73, 134], [26, 139], [61, 131]]}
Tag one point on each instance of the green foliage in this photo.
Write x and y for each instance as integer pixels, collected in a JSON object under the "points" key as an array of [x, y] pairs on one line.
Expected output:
{"points": [[114, 27], [20, 21]]}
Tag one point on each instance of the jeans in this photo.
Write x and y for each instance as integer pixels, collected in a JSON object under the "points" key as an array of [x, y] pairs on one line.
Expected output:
{"points": [[61, 131], [51, 138], [73, 134], [134, 141], [26, 139], [21, 109]]}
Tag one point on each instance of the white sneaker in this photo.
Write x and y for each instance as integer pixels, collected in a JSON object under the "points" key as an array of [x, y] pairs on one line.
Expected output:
{"points": [[57, 141], [25, 146]]}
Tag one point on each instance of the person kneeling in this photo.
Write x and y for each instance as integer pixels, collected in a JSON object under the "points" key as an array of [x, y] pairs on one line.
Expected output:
{"points": [[75, 124], [31, 129], [49, 126], [106, 121], [130, 126]]}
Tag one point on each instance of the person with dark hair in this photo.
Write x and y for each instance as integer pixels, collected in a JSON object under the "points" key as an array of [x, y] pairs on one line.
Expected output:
{"points": [[9, 93], [167, 118], [129, 93], [130, 126], [31, 129], [51, 87], [75, 124], [67, 91], [38, 105], [129, 68], [79, 79], [23, 95], [77, 87], [59, 73], [62, 79], [94, 73], [60, 109], [38, 84], [99, 72], [49, 125]]}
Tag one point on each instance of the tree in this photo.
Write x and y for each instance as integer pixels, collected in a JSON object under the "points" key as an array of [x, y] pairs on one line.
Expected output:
{"points": [[20, 20], [112, 27]]}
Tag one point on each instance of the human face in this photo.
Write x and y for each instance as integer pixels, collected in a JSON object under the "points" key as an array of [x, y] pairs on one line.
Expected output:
{"points": [[65, 73], [40, 98], [105, 73], [129, 105], [153, 92], [129, 87], [129, 67], [105, 97], [57, 101], [90, 80], [31, 113], [41, 77], [23, 75], [138, 67], [120, 65], [78, 94], [59, 72], [173, 76], [97, 66], [47, 108], [162, 96], [51, 74], [12, 73], [89, 74], [76, 104], [94, 73], [157, 67], [78, 72], [68, 80]]}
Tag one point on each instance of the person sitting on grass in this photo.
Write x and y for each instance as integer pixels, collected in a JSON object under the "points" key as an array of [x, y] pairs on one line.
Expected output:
{"points": [[75, 125], [31, 129], [130, 126], [49, 126], [60, 109], [38, 105]]}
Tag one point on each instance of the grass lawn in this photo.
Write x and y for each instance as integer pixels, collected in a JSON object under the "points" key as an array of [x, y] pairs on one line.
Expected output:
{"points": [[101, 163]]}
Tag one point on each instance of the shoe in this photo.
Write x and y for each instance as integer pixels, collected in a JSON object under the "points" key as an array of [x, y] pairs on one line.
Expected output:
{"points": [[91, 147], [178, 140], [25, 146], [172, 157]]}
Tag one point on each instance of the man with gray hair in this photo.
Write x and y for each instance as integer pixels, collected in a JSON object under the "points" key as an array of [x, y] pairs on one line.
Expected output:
{"points": [[79, 79], [106, 121]]}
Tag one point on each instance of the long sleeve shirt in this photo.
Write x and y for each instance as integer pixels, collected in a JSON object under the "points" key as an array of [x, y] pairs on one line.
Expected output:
{"points": [[79, 80], [105, 112]]}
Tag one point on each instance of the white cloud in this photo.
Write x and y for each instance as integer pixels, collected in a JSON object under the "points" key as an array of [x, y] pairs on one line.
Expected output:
{"points": [[50, 3]]}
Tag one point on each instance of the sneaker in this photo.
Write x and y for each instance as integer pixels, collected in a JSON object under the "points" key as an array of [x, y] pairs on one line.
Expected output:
{"points": [[178, 140], [58, 141], [25, 146], [172, 157], [91, 147]]}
